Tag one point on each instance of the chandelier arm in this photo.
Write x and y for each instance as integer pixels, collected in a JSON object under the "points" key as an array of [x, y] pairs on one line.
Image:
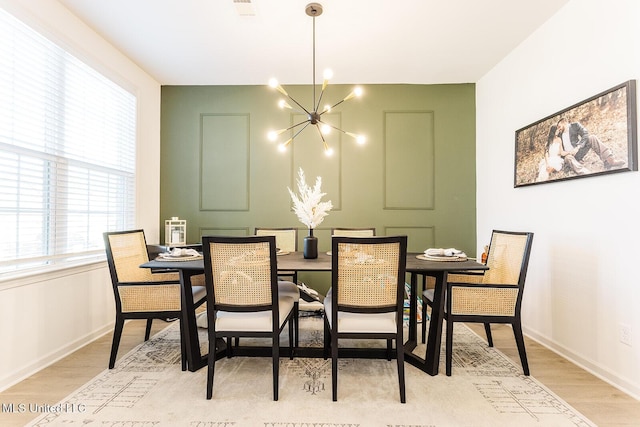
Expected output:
{"points": [[321, 135], [332, 126], [303, 128], [296, 125], [324, 141], [335, 105], [298, 104], [320, 100]]}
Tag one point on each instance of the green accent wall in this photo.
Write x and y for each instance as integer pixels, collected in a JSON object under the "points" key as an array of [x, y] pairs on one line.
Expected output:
{"points": [[414, 176]]}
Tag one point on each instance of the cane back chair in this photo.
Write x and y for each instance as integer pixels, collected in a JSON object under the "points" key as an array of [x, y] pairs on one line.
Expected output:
{"points": [[242, 296], [366, 296], [494, 296], [140, 293]]}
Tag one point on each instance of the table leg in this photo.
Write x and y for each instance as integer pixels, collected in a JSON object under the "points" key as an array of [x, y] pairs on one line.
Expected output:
{"points": [[195, 360], [434, 337], [413, 309], [432, 358]]}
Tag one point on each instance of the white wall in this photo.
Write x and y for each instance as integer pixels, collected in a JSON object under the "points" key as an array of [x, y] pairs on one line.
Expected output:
{"points": [[45, 317], [583, 278]]}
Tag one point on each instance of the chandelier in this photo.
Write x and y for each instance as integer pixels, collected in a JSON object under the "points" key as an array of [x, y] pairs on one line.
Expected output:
{"points": [[313, 114]]}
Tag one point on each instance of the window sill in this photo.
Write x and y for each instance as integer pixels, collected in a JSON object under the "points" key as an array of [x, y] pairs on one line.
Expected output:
{"points": [[42, 274]]}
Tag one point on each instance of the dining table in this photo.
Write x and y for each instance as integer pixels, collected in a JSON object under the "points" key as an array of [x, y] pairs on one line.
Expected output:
{"points": [[295, 261]]}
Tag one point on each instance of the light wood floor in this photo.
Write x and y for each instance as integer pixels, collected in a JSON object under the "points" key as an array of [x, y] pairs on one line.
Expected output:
{"points": [[603, 404]]}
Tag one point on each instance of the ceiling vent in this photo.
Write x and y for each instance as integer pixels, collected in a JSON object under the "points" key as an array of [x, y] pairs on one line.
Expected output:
{"points": [[244, 7]]}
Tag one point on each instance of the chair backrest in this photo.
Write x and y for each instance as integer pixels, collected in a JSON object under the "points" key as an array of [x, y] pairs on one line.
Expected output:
{"points": [[286, 238], [508, 258], [368, 273], [241, 272], [126, 250], [354, 232]]}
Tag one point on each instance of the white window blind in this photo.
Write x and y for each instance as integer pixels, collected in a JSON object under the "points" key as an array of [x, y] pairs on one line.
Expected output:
{"points": [[67, 153]]}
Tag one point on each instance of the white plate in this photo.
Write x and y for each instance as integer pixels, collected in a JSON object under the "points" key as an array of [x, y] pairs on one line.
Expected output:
{"points": [[441, 258]]}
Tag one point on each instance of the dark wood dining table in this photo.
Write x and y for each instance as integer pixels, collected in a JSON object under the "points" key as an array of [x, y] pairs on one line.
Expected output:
{"points": [[295, 261]]}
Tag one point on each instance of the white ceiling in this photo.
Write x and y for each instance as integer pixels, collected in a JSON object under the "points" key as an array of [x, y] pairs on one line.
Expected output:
{"points": [[207, 42]]}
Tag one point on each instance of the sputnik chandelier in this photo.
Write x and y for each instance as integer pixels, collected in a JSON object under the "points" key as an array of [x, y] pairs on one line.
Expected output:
{"points": [[314, 114]]}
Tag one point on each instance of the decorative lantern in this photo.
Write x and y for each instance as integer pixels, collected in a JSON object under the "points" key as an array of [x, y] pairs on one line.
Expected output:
{"points": [[175, 232]]}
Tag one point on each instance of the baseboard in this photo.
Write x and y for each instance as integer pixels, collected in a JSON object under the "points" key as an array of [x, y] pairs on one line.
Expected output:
{"points": [[52, 358], [614, 380]]}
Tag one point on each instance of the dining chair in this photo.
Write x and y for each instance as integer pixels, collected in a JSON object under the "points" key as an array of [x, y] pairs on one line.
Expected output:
{"points": [[366, 297], [354, 232], [287, 241], [492, 296], [141, 293], [242, 296]]}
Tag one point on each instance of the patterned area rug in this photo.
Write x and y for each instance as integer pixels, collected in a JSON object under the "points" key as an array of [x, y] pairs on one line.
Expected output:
{"points": [[147, 388]]}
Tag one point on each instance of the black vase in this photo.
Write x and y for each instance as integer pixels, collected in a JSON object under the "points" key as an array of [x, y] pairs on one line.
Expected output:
{"points": [[310, 246]]}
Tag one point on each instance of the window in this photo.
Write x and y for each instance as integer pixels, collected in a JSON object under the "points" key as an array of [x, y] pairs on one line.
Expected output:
{"points": [[67, 153]]}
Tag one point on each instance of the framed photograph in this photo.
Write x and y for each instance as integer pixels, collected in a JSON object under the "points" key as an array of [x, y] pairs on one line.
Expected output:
{"points": [[594, 137]]}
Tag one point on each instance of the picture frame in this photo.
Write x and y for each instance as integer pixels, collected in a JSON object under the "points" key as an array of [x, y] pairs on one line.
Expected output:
{"points": [[594, 137]]}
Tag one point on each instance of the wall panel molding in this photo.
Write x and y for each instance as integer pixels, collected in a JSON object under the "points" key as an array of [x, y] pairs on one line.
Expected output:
{"points": [[224, 162], [225, 231], [409, 160], [419, 238]]}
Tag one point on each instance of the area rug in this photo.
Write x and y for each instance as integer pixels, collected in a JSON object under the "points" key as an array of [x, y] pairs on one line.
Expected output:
{"points": [[148, 388]]}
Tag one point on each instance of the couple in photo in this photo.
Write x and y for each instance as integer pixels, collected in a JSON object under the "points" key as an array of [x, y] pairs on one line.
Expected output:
{"points": [[569, 143]]}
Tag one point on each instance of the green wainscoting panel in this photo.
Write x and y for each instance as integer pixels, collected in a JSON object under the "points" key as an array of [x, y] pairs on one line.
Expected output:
{"points": [[409, 158], [414, 176], [224, 162], [421, 238], [217, 231]]}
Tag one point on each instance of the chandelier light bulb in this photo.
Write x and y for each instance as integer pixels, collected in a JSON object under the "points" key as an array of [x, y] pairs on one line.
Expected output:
{"points": [[282, 148], [328, 74], [360, 139], [273, 83], [327, 108], [358, 91], [273, 134], [328, 152], [325, 129], [284, 104]]}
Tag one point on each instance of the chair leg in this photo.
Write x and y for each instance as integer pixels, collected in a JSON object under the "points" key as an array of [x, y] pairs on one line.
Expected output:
{"points": [[327, 338], [291, 348], [389, 350], [276, 364], [230, 346], [517, 332], [334, 365], [487, 329], [296, 311], [147, 331], [449, 346], [424, 321], [400, 357], [211, 364], [117, 333], [183, 346]]}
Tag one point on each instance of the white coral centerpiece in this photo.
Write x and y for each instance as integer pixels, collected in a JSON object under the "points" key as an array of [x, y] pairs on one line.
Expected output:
{"points": [[308, 205]]}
